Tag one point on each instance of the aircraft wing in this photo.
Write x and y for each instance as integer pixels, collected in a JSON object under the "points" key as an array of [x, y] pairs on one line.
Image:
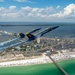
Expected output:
{"points": [[17, 37], [20, 41], [15, 41]]}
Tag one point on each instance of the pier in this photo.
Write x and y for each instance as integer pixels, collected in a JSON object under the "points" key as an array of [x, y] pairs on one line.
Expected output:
{"points": [[60, 68]]}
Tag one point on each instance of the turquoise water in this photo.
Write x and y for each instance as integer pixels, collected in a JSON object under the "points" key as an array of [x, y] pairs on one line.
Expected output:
{"points": [[68, 66], [42, 69]]}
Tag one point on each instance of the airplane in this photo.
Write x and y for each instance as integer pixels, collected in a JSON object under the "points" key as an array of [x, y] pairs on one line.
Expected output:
{"points": [[40, 34], [30, 38], [20, 35]]}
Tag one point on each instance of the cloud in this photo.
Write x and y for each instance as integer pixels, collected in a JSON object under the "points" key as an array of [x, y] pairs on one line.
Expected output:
{"points": [[10, 12], [28, 1], [37, 14], [12, 7], [68, 11], [58, 7], [24, 13]]}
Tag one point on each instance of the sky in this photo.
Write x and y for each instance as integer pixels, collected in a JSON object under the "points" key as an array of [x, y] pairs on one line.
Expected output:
{"points": [[37, 10]]}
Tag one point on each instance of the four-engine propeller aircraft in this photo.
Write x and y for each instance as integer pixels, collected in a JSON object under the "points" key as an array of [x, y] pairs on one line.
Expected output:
{"points": [[20, 40]]}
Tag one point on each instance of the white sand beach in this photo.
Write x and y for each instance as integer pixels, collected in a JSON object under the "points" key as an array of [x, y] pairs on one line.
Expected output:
{"points": [[65, 55], [38, 60]]}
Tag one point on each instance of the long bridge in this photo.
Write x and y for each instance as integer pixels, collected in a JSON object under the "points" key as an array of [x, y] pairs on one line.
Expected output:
{"points": [[60, 68]]}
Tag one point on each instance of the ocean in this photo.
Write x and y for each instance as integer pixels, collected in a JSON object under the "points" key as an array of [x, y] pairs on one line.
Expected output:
{"points": [[40, 69], [65, 30]]}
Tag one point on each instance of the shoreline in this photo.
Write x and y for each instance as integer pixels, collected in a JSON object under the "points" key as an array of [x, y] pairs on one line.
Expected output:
{"points": [[47, 68], [40, 60], [43, 59], [37, 64]]}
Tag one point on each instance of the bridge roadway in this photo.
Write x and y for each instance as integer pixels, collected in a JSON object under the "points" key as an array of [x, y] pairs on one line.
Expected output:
{"points": [[60, 68]]}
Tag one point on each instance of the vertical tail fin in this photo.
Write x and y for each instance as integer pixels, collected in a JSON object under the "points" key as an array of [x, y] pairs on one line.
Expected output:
{"points": [[22, 35], [30, 36]]}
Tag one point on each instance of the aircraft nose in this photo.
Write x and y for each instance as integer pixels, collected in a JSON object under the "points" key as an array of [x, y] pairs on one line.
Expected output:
{"points": [[55, 27]]}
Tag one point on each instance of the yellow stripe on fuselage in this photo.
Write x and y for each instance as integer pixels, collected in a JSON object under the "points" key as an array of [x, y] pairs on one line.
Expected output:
{"points": [[42, 31]]}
